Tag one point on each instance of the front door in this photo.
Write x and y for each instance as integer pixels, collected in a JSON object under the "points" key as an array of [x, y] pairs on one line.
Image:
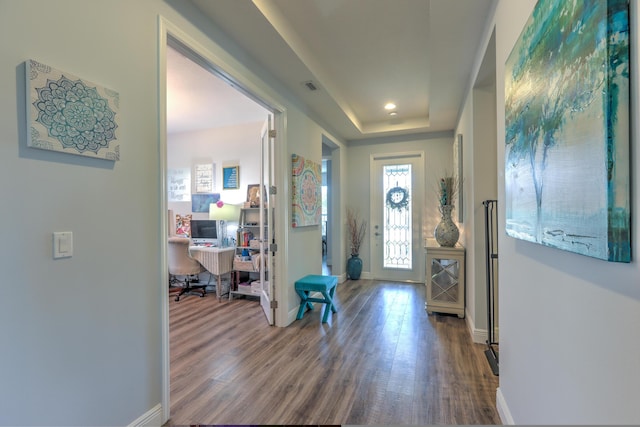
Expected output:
{"points": [[396, 217]]}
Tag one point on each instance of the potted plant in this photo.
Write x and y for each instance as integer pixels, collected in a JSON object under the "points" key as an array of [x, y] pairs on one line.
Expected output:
{"points": [[357, 229]]}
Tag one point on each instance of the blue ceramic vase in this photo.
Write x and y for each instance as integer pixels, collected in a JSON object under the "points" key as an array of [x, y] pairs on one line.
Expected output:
{"points": [[354, 267]]}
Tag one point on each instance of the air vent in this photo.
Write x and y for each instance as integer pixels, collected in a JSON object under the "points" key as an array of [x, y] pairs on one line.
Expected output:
{"points": [[310, 85]]}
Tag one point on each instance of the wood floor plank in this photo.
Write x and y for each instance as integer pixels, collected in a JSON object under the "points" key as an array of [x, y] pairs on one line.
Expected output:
{"points": [[379, 360]]}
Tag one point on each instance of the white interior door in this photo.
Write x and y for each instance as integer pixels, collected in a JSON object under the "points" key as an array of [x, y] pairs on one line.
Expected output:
{"points": [[396, 216], [266, 217]]}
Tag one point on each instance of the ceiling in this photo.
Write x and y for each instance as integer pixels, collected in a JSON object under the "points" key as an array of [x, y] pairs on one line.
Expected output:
{"points": [[359, 54], [197, 99]]}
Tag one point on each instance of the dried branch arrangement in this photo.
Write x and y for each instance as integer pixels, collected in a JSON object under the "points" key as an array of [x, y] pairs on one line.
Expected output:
{"points": [[357, 229], [447, 190]]}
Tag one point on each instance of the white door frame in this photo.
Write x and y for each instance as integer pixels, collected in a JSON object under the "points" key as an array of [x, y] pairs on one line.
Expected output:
{"points": [[246, 81], [334, 234], [416, 274], [266, 217]]}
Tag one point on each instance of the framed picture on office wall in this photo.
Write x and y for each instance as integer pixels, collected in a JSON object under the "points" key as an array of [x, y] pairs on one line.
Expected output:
{"points": [[179, 185], [201, 202], [231, 177], [205, 174]]}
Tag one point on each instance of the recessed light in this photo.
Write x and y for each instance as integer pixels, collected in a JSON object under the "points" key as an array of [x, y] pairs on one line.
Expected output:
{"points": [[390, 106], [393, 113]]}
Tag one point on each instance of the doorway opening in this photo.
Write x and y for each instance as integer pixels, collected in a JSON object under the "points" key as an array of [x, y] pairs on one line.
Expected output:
{"points": [[217, 152], [330, 202], [233, 188], [326, 266]]}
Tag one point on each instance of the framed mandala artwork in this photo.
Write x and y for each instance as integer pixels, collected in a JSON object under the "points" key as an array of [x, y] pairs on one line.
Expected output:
{"points": [[306, 194], [68, 114]]}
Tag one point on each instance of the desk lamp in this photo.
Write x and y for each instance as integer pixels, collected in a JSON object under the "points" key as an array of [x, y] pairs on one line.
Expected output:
{"points": [[223, 212]]}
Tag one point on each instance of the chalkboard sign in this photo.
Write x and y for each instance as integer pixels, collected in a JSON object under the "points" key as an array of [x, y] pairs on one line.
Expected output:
{"points": [[230, 178]]}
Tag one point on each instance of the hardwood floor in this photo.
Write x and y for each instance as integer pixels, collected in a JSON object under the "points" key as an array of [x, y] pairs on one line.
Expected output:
{"points": [[380, 360]]}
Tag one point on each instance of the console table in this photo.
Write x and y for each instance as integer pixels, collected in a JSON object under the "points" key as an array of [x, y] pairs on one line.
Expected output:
{"points": [[217, 261], [445, 279]]}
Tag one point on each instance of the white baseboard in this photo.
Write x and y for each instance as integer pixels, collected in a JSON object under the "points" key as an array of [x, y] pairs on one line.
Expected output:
{"points": [[503, 409], [292, 316], [151, 418], [479, 336], [366, 275]]}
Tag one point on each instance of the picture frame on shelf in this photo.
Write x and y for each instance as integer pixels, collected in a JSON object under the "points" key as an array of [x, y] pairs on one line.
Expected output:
{"points": [[253, 195]]}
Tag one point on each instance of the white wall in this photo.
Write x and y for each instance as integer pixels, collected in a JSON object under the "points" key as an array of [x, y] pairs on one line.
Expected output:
{"points": [[304, 243], [225, 146], [569, 347], [477, 125], [484, 163], [479, 171], [485, 188], [81, 336], [468, 226], [438, 160]]}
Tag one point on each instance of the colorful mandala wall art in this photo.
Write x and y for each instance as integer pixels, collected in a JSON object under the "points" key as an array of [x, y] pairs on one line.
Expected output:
{"points": [[306, 194], [69, 114]]}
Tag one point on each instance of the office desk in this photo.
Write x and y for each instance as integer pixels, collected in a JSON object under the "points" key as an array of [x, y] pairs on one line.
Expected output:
{"points": [[217, 261]]}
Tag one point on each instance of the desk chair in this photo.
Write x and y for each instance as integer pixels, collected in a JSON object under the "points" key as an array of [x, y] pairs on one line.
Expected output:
{"points": [[181, 264]]}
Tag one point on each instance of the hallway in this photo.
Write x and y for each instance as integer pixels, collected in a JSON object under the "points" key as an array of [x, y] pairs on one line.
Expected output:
{"points": [[379, 360]]}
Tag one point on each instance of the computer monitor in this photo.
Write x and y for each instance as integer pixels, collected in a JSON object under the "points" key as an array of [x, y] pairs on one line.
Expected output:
{"points": [[204, 232]]}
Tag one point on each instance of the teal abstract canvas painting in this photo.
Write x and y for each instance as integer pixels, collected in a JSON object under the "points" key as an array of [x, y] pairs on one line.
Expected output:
{"points": [[567, 129]]}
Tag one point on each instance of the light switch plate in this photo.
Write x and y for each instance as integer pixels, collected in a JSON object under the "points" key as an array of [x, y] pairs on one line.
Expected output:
{"points": [[62, 244]]}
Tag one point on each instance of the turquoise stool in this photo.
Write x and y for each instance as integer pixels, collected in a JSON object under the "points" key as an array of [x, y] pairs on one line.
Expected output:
{"points": [[326, 285]]}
